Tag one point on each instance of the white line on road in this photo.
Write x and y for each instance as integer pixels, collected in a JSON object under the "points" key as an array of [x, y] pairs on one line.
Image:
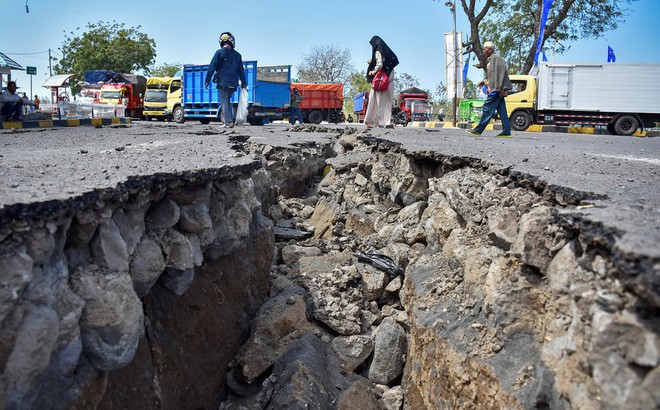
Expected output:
{"points": [[653, 161]]}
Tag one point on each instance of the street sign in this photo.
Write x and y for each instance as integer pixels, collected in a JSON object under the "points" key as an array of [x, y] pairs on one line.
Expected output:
{"points": [[31, 70]]}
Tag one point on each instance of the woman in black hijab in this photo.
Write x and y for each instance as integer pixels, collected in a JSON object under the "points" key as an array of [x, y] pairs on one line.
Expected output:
{"points": [[379, 108]]}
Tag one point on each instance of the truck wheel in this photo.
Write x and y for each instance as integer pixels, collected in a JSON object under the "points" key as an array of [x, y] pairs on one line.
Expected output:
{"points": [[255, 121], [205, 120], [626, 125], [610, 128], [177, 115], [520, 120], [315, 116]]}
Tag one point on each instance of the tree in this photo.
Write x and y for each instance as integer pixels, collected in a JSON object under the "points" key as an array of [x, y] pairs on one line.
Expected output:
{"points": [[403, 81], [355, 84], [106, 46], [514, 25], [326, 64], [165, 70]]}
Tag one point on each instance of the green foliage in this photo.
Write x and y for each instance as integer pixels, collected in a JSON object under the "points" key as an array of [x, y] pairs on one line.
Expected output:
{"points": [[165, 70], [470, 89], [355, 84], [105, 46], [514, 25]]}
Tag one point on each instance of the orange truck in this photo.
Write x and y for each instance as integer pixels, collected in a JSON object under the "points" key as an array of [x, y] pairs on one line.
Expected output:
{"points": [[321, 102]]}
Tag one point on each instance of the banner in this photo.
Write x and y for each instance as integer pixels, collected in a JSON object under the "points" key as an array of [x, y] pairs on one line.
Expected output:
{"points": [[454, 65], [611, 58], [547, 4]]}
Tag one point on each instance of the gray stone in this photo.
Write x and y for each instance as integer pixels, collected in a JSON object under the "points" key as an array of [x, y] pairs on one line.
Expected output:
{"points": [[393, 398], [389, 351], [79, 234], [109, 248], [352, 350], [177, 281], [131, 225], [190, 194], [112, 321], [394, 285], [532, 243], [503, 226], [163, 214], [373, 283], [562, 268], [292, 253], [35, 341], [195, 217], [178, 250], [40, 244], [16, 274], [277, 325], [147, 265]]}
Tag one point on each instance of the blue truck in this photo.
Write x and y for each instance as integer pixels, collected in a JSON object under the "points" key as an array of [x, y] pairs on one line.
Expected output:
{"points": [[267, 100]]}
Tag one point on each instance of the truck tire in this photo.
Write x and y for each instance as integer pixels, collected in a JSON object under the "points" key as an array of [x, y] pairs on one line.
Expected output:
{"points": [[626, 125], [255, 121], [520, 120], [205, 120], [178, 115], [315, 116]]}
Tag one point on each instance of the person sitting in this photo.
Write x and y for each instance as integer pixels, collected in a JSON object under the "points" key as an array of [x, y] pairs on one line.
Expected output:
{"points": [[11, 104]]}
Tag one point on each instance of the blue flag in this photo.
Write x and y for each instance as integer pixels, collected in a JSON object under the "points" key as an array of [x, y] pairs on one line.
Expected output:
{"points": [[465, 69], [611, 58], [547, 4]]}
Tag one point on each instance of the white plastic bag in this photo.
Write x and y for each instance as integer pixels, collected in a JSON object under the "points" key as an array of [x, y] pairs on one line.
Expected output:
{"points": [[242, 110]]}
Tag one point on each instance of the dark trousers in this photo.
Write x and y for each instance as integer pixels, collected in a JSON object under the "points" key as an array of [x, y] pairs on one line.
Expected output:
{"points": [[12, 109], [295, 112], [494, 102]]}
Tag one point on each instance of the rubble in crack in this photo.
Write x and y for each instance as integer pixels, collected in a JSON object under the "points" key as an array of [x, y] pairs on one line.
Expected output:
{"points": [[501, 301]]}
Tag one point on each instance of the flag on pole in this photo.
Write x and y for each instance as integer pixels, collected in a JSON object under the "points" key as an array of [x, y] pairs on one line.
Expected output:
{"points": [[465, 69], [611, 58], [547, 4]]}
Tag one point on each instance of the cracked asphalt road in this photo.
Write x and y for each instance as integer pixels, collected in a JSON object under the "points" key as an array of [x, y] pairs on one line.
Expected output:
{"points": [[39, 165]]}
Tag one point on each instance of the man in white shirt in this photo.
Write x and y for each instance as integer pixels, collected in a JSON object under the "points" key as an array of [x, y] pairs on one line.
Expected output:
{"points": [[11, 104]]}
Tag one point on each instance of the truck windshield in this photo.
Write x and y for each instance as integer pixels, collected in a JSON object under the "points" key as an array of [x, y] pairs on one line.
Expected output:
{"points": [[418, 106], [156, 96], [110, 95]]}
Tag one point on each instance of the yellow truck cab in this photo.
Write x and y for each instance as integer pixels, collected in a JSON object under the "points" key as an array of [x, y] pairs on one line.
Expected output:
{"points": [[521, 101], [162, 96]]}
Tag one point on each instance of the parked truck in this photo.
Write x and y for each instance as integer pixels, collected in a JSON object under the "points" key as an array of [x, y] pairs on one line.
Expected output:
{"points": [[120, 89], [267, 100], [158, 95], [321, 102], [411, 104], [623, 97]]}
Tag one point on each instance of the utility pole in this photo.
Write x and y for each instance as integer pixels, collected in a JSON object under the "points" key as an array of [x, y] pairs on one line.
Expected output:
{"points": [[50, 63], [453, 11], [451, 4]]}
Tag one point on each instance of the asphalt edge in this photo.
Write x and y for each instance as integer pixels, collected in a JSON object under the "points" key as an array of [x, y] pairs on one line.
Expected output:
{"points": [[96, 122], [532, 128]]}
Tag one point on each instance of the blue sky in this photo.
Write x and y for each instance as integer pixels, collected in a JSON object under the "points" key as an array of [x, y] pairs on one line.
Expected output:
{"points": [[280, 33]]}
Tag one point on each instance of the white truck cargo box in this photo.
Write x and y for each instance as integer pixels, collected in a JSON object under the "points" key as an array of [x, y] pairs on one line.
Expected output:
{"points": [[607, 87]]}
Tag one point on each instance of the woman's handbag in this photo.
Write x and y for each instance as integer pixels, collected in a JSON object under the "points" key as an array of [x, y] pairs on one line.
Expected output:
{"points": [[381, 81]]}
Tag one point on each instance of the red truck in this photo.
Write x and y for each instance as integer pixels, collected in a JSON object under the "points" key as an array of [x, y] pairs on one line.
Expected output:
{"points": [[411, 104], [128, 90], [321, 102]]}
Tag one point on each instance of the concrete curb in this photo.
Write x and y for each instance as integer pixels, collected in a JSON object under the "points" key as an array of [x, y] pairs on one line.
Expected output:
{"points": [[96, 122], [532, 128]]}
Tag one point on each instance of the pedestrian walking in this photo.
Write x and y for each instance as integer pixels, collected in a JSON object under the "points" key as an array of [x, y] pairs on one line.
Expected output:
{"points": [[296, 99], [379, 109], [498, 86], [226, 69]]}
